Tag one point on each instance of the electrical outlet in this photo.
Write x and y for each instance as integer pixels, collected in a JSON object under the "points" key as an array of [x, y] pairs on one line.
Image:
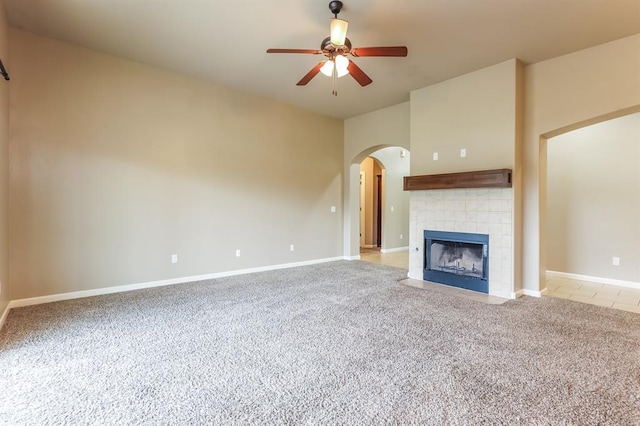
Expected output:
{"points": [[401, 236], [238, 253], [435, 156], [463, 152], [333, 209], [174, 258], [291, 247], [616, 261]]}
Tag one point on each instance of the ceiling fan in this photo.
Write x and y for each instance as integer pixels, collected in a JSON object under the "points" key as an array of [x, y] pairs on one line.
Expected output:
{"points": [[336, 48]]}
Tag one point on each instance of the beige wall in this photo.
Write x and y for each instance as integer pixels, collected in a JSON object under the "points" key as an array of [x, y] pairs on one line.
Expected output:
{"points": [[116, 166], [562, 94], [364, 135], [4, 162], [107, 154], [593, 200], [475, 111], [378, 129]]}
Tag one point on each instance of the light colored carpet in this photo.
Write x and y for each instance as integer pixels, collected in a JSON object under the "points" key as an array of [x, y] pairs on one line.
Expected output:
{"points": [[336, 343]]}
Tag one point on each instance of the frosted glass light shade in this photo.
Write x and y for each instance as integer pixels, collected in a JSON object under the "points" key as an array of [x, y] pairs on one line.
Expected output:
{"points": [[342, 62], [342, 73], [338, 31], [327, 68], [341, 65]]}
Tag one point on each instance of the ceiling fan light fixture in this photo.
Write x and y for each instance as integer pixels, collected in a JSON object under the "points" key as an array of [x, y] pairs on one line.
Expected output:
{"points": [[338, 31], [340, 63], [335, 48]]}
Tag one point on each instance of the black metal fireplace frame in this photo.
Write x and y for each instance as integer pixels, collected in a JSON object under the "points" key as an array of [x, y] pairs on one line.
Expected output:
{"points": [[456, 280]]}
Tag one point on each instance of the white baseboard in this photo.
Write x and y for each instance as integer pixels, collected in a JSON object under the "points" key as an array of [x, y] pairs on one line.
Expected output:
{"points": [[4, 315], [356, 257], [506, 296], [393, 250], [526, 292], [599, 280], [139, 286]]}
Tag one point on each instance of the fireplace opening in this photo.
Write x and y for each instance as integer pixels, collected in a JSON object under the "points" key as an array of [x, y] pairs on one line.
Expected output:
{"points": [[458, 259]]}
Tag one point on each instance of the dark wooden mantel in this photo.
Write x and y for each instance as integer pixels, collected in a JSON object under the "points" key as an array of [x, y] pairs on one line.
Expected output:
{"points": [[500, 178]]}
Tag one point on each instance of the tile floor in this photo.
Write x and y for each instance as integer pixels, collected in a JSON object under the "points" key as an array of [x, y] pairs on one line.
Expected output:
{"points": [[610, 296], [398, 259]]}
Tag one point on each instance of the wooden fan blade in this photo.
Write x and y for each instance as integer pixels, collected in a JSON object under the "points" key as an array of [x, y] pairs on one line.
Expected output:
{"points": [[380, 51], [358, 74], [307, 78], [308, 51]]}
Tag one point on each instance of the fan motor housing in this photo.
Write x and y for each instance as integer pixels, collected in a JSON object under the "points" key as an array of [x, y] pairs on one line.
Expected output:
{"points": [[331, 50]]}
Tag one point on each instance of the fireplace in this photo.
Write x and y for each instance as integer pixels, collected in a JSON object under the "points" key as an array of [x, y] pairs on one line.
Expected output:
{"points": [[487, 211], [457, 258]]}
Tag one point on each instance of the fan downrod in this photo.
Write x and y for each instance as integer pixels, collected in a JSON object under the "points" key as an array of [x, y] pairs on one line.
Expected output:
{"points": [[335, 7]]}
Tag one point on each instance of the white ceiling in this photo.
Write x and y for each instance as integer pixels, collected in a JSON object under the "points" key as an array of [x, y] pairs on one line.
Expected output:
{"points": [[225, 41]]}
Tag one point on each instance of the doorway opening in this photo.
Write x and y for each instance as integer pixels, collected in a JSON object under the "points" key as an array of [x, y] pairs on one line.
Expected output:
{"points": [[592, 233], [371, 184]]}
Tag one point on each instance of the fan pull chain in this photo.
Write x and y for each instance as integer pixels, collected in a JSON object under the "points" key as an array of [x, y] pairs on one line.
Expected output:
{"points": [[334, 79]]}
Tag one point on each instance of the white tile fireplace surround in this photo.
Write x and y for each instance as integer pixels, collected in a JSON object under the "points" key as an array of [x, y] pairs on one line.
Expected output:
{"points": [[483, 211]]}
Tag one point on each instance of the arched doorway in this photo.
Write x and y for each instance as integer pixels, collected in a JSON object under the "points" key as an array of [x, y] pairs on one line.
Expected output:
{"points": [[394, 163]]}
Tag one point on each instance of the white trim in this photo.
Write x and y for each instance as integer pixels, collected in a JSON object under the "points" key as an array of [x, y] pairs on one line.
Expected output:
{"points": [[507, 296], [357, 257], [122, 288], [393, 250], [599, 280], [517, 294], [362, 192], [532, 293], [4, 315]]}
